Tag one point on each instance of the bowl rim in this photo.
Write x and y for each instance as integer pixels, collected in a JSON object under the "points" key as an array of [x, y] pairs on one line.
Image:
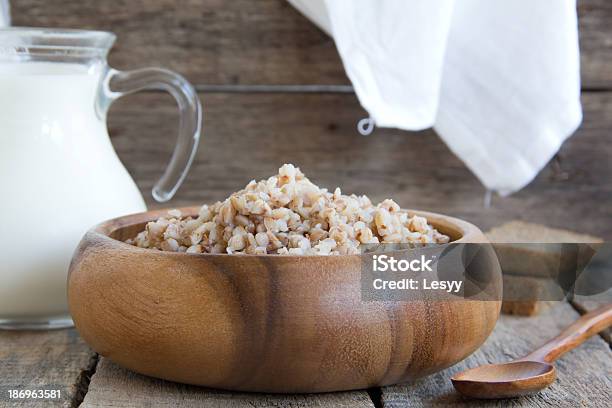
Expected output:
{"points": [[102, 231]]}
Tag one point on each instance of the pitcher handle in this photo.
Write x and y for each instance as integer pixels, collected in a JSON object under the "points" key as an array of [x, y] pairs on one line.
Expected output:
{"points": [[119, 83]]}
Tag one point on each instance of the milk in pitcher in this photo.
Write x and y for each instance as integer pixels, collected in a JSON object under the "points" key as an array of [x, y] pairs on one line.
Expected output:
{"points": [[59, 173], [59, 176]]}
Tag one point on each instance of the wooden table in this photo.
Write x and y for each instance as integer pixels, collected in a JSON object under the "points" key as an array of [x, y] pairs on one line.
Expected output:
{"points": [[60, 360]]}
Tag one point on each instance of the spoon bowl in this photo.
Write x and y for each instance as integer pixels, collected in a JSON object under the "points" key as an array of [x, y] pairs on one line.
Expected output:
{"points": [[505, 380]]}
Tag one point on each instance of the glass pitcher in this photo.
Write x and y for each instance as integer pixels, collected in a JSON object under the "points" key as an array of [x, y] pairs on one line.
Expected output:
{"points": [[59, 173]]}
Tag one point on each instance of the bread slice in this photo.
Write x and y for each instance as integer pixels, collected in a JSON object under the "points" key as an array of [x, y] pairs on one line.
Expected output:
{"points": [[531, 257], [524, 232], [521, 294], [535, 250]]}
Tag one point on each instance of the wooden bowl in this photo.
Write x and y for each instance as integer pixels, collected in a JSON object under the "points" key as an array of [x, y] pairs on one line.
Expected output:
{"points": [[267, 323]]}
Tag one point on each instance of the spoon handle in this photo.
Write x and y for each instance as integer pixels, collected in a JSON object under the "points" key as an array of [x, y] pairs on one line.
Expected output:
{"points": [[574, 335]]}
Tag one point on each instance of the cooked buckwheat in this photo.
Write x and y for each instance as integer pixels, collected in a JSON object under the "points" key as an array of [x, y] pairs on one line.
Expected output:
{"points": [[287, 214]]}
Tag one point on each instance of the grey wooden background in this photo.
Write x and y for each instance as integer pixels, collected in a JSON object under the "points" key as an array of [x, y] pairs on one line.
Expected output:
{"points": [[274, 91]]}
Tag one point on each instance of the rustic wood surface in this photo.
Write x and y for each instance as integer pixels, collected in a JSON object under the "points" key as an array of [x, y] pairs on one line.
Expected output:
{"points": [[61, 358], [582, 378], [57, 359], [248, 136], [113, 386], [210, 42], [595, 18], [250, 42]]}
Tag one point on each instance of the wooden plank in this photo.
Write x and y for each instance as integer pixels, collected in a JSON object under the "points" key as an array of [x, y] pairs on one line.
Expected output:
{"points": [[596, 43], [250, 42], [582, 379], [249, 136], [56, 359], [113, 386], [210, 42]]}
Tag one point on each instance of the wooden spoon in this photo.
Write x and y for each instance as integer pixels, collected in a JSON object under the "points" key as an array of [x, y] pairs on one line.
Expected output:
{"points": [[533, 372]]}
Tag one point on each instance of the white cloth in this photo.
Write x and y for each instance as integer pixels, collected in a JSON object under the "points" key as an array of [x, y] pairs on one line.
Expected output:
{"points": [[499, 80], [5, 15]]}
